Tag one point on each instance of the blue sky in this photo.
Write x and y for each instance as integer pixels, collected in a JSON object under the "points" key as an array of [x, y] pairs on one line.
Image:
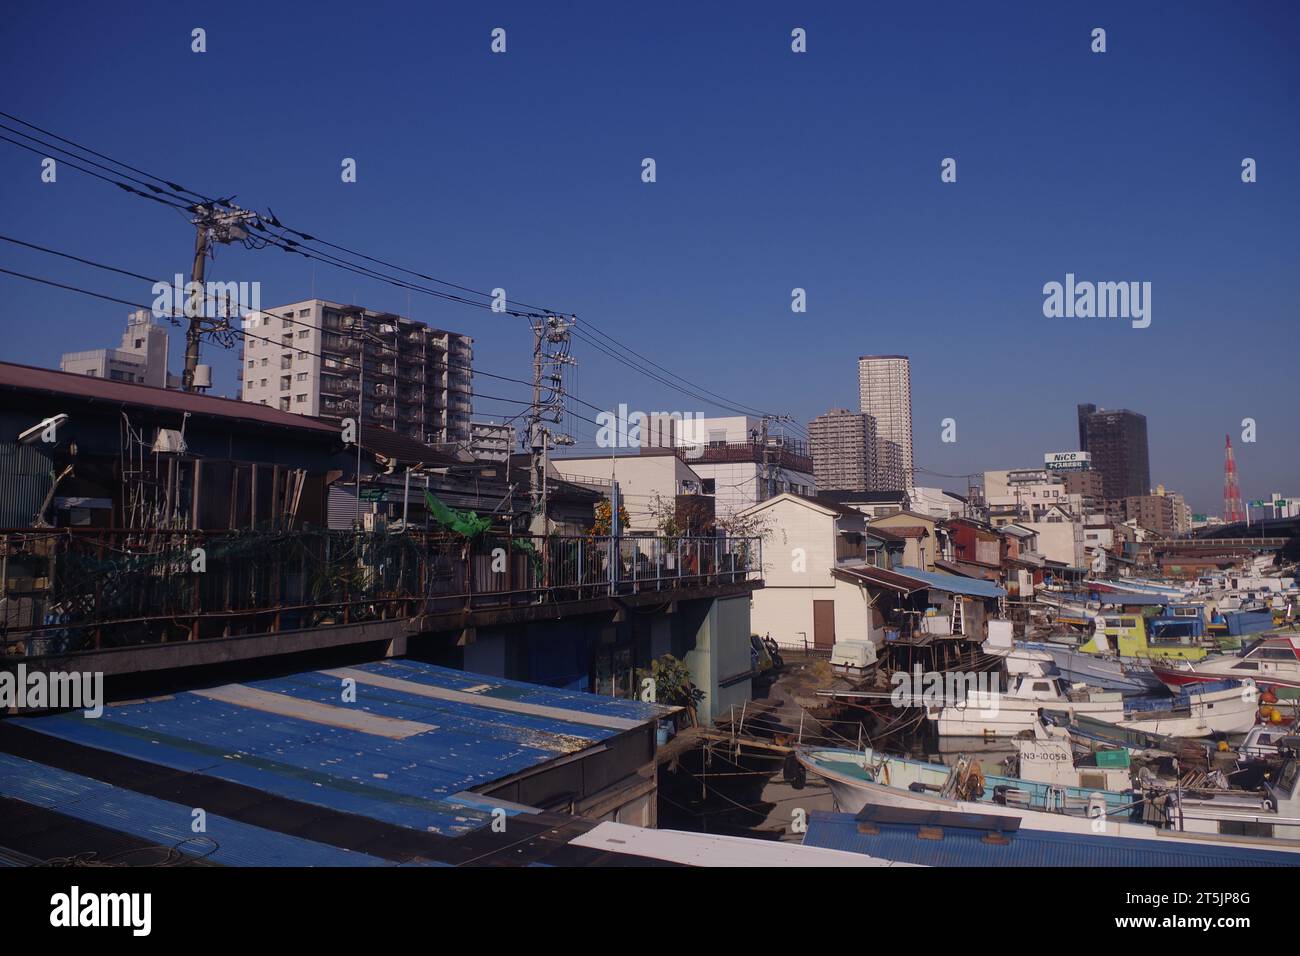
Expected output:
{"points": [[775, 170]]}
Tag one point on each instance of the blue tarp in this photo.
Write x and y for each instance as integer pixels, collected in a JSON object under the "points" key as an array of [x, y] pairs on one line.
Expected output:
{"points": [[953, 583]]}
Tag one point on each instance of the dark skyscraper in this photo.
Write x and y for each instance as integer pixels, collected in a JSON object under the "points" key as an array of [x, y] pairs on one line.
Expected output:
{"points": [[1117, 441], [1084, 412]]}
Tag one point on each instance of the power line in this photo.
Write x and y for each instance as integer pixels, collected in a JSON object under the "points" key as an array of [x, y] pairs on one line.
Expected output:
{"points": [[174, 189]]}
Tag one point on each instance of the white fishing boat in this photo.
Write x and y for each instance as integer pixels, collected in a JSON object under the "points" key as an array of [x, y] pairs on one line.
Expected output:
{"points": [[865, 778], [1099, 670], [1273, 662], [859, 778], [1201, 712]]}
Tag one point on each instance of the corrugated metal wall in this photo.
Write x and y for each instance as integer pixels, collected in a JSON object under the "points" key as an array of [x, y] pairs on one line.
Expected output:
{"points": [[25, 480]]}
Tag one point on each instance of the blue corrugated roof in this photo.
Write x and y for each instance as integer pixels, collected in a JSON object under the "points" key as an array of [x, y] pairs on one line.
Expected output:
{"points": [[417, 737], [965, 844], [162, 823], [953, 583]]}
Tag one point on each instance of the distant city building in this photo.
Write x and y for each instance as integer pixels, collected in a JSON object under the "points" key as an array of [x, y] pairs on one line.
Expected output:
{"points": [[843, 445], [1026, 494], [1163, 512], [737, 465], [307, 357], [885, 393], [887, 467], [141, 358], [936, 502], [1089, 486], [490, 441], [1117, 441]]}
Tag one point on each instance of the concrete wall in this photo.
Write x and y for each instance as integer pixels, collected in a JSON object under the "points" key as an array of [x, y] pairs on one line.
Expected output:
{"points": [[717, 633], [786, 613], [640, 478], [1059, 540]]}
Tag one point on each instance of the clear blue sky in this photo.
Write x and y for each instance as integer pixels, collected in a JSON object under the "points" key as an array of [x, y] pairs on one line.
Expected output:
{"points": [[775, 170]]}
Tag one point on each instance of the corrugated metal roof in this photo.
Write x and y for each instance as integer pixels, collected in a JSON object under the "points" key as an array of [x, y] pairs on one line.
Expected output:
{"points": [[401, 448], [295, 737], [163, 823], [962, 840], [954, 584], [880, 577], [31, 379]]}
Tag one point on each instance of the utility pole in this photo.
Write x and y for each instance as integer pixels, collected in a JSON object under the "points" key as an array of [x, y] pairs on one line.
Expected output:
{"points": [[550, 356], [195, 307], [211, 225], [771, 455]]}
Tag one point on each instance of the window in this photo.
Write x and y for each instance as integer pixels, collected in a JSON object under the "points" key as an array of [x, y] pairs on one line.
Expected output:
{"points": [[303, 312], [300, 399], [284, 404], [264, 361], [252, 362], [264, 383], [304, 333], [139, 343], [707, 486], [285, 381], [302, 376]]}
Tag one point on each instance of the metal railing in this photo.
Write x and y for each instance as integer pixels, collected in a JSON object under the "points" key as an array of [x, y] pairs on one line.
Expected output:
{"points": [[66, 590]]}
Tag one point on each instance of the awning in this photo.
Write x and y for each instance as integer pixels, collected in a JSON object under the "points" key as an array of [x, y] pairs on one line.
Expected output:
{"points": [[879, 577]]}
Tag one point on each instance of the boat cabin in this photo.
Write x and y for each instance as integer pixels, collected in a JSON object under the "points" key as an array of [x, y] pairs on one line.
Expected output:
{"points": [[1131, 635]]}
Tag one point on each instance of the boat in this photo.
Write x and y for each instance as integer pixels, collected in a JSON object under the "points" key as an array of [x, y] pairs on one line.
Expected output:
{"points": [[1105, 671], [859, 779], [1201, 711], [1271, 662], [1132, 636]]}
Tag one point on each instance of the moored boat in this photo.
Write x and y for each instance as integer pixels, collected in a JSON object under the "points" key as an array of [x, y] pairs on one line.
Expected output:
{"points": [[1272, 662]]}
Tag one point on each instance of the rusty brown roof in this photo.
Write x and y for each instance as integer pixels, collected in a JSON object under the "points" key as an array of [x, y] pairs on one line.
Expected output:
{"points": [[906, 531], [28, 378], [882, 578]]}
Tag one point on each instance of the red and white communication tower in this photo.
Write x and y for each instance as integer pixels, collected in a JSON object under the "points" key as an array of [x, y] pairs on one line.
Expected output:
{"points": [[1232, 507]]}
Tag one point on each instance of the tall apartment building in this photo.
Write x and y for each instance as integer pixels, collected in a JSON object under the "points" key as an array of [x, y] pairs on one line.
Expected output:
{"points": [[843, 447], [141, 358], [490, 441], [327, 360], [885, 393], [1117, 441], [887, 467], [1165, 513]]}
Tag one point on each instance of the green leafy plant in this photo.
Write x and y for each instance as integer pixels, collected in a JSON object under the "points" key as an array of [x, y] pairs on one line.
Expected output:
{"points": [[673, 685]]}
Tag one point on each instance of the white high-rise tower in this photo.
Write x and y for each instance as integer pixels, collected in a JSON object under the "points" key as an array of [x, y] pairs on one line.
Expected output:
{"points": [[885, 392]]}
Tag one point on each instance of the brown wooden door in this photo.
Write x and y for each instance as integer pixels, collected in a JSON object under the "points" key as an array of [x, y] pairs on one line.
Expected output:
{"points": [[823, 624]]}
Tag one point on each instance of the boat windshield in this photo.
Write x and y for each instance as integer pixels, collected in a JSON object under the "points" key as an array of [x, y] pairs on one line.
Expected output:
{"points": [[1171, 632]]}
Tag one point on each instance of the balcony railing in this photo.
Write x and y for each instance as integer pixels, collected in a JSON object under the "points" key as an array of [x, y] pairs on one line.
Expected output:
{"points": [[787, 454], [68, 590]]}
